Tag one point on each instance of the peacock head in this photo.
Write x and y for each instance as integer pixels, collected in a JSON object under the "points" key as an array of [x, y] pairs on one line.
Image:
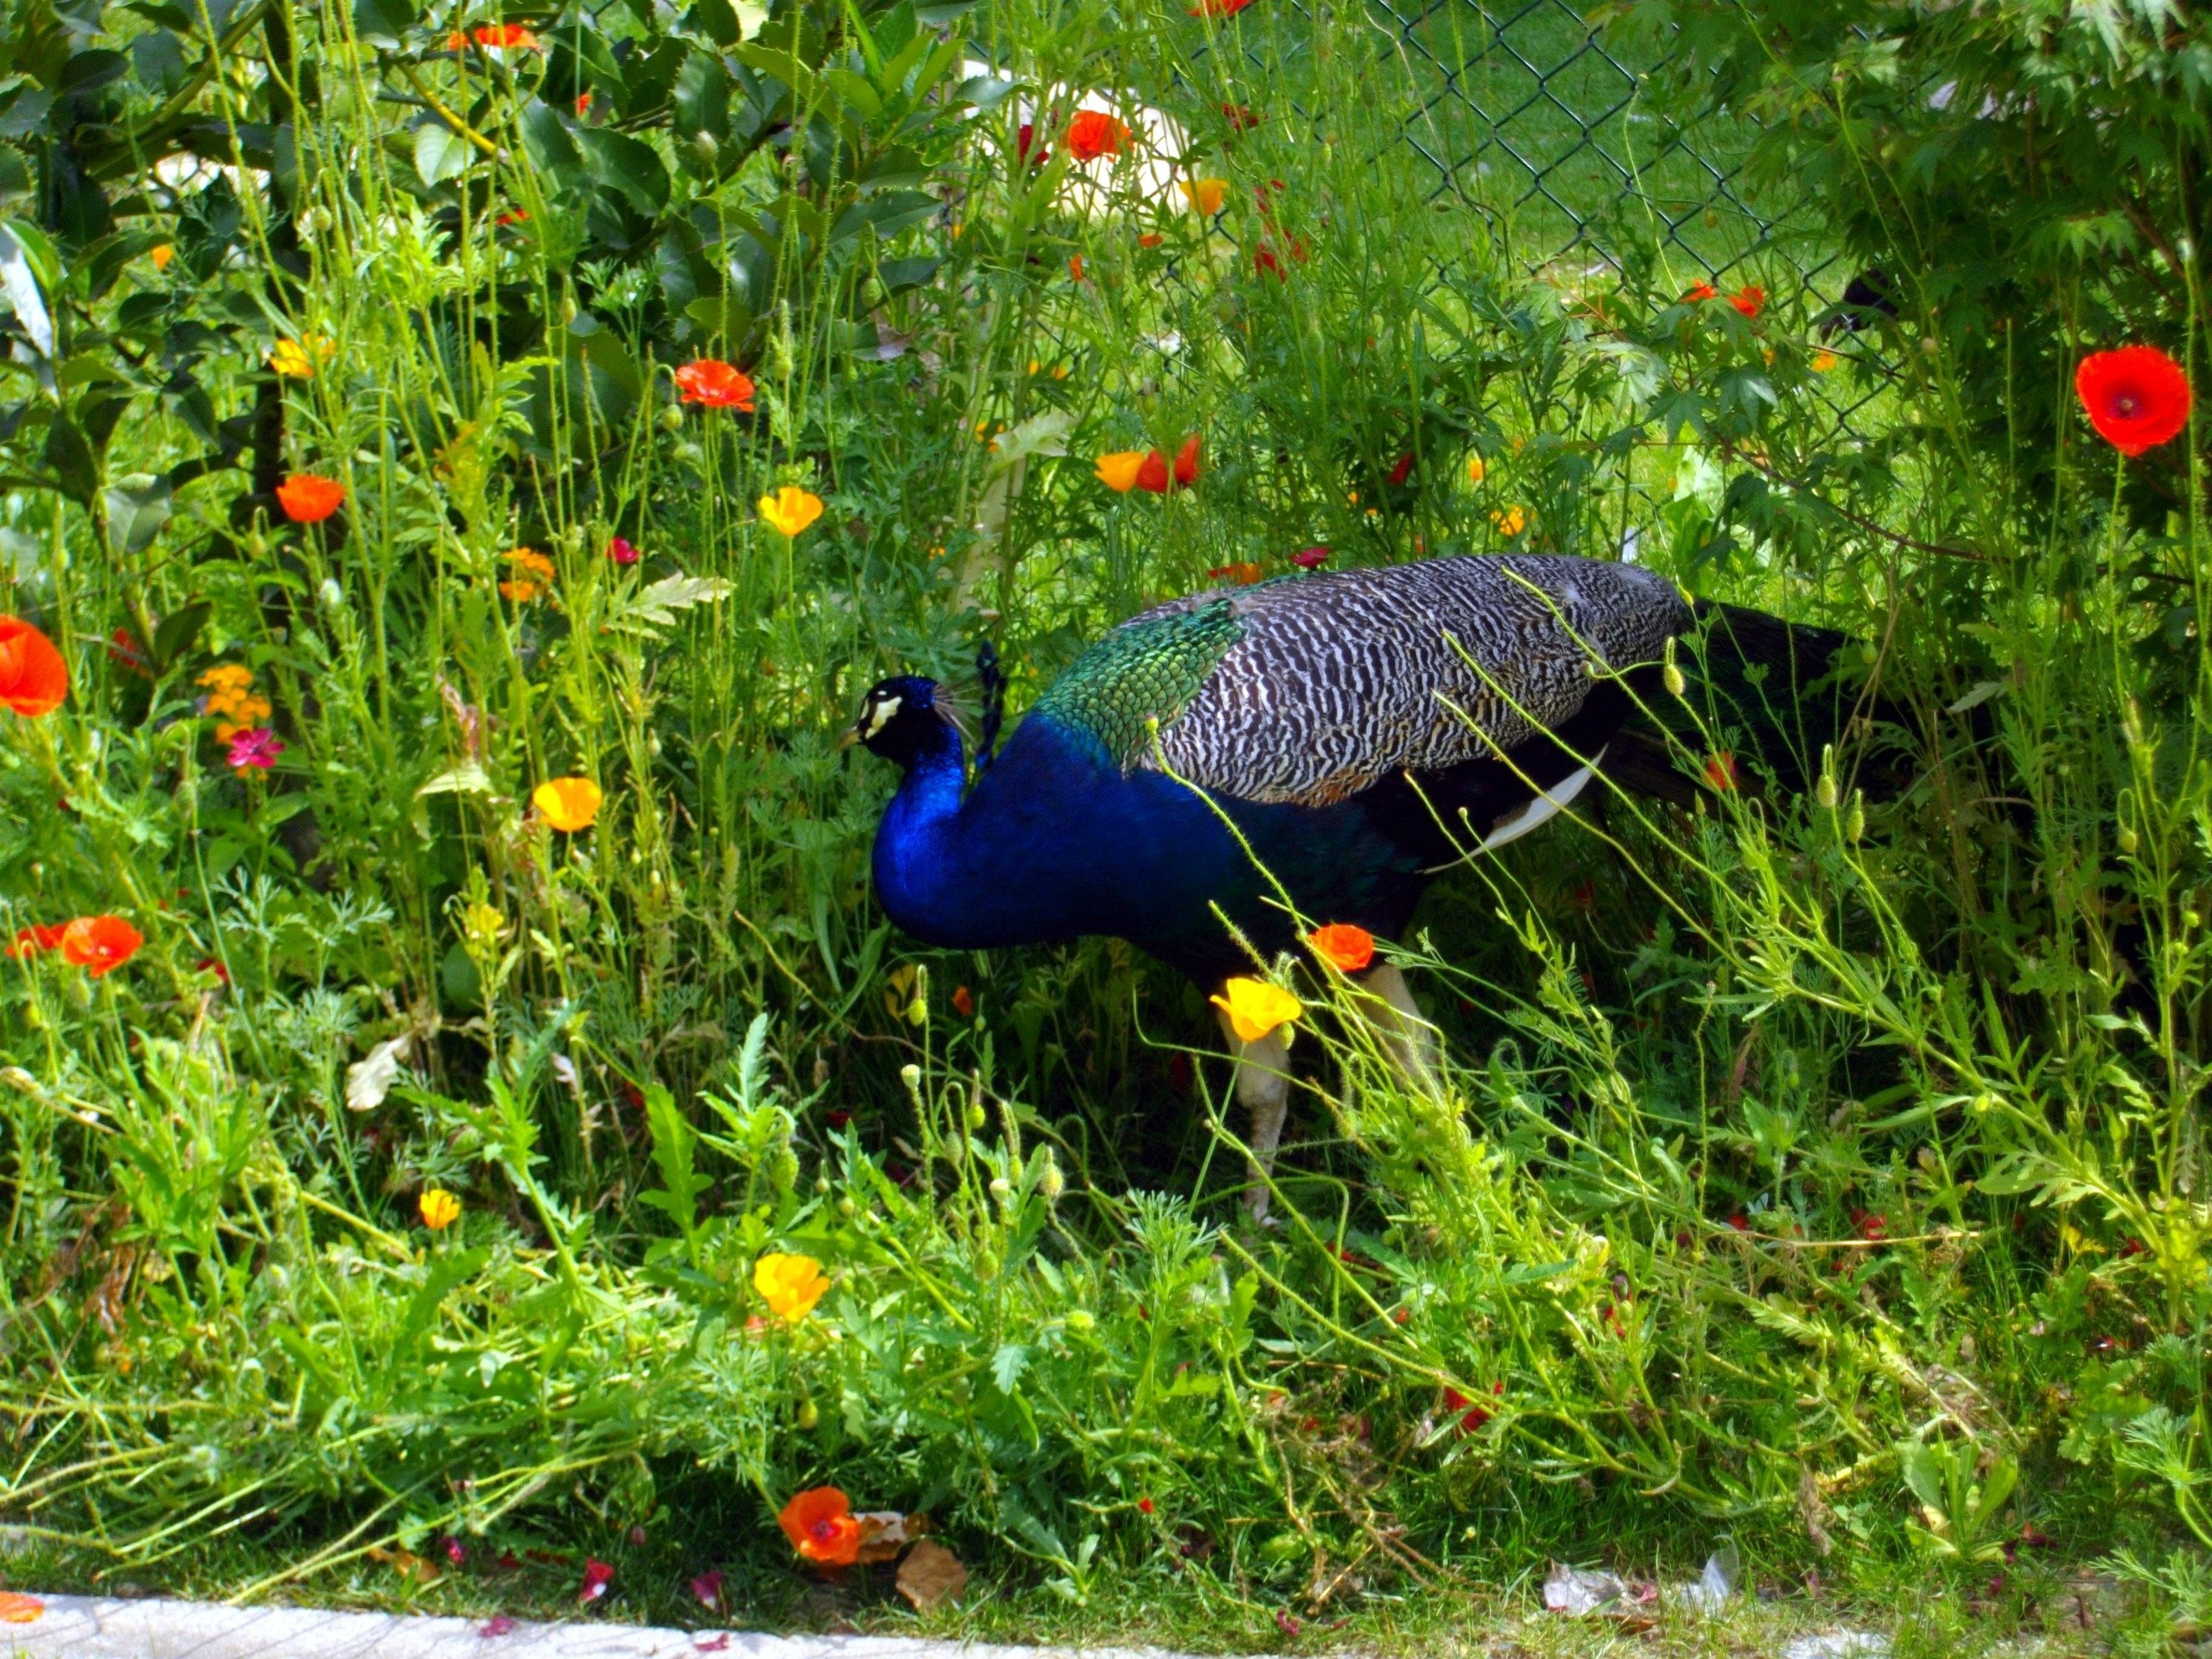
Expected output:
{"points": [[902, 719]]}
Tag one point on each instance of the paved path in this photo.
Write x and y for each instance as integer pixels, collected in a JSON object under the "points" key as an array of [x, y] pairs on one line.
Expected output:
{"points": [[97, 1627]]}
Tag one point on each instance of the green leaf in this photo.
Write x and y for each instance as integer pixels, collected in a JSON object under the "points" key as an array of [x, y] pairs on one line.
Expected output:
{"points": [[1008, 1366], [138, 507], [655, 606], [176, 634], [720, 20], [550, 148], [70, 455], [628, 166], [439, 154], [383, 22]]}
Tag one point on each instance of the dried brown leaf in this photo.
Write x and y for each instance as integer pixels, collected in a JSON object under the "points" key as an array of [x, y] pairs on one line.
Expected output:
{"points": [[931, 1575]]}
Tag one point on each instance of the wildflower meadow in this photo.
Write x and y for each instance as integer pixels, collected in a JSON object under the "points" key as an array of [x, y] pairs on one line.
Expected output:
{"points": [[473, 1139]]}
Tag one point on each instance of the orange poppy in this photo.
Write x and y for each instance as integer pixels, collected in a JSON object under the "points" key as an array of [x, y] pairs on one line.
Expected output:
{"points": [[1094, 133], [100, 944], [34, 678], [1343, 945], [1702, 292], [716, 385], [1750, 300], [1075, 266], [2137, 397], [1720, 770], [820, 1524], [1244, 573], [310, 498], [1219, 8]]}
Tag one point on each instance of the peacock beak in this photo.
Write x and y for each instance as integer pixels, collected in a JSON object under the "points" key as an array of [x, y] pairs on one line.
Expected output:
{"points": [[850, 736]]}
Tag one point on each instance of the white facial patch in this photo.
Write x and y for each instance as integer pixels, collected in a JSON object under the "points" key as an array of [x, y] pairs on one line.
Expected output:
{"points": [[879, 716]]}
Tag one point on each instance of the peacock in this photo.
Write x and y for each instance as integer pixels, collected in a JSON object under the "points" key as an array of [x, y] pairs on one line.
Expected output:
{"points": [[1341, 737]]}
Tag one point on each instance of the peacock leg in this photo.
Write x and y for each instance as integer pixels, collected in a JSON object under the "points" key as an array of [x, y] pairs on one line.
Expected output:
{"points": [[1406, 1035], [1263, 1089]]}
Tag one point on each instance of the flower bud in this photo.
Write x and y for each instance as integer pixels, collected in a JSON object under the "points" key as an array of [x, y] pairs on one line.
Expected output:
{"points": [[1081, 1324], [976, 1117], [2129, 840], [1855, 820], [807, 1416], [1676, 685]]}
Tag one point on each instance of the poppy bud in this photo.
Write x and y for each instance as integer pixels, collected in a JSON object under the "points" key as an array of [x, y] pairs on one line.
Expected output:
{"points": [[1676, 685], [2129, 840], [976, 1114], [1081, 1324], [1855, 820], [807, 1415]]}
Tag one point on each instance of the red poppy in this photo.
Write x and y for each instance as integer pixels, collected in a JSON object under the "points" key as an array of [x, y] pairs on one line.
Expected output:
{"points": [[1720, 770], [101, 944], [1026, 148], [31, 940], [1186, 462], [34, 678], [123, 647], [2137, 397], [1152, 473], [1740, 1222], [496, 35], [511, 217], [1144, 1506], [454, 1553], [1242, 117], [1094, 133], [1473, 1416], [963, 1002], [598, 1574], [716, 385], [820, 1523], [1750, 300], [1404, 469], [1702, 291], [1872, 1228], [708, 1587], [1219, 8], [1311, 558], [1150, 239], [310, 498], [1264, 259]]}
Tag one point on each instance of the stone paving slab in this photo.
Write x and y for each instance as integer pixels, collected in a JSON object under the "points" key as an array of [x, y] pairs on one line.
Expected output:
{"points": [[99, 1627]]}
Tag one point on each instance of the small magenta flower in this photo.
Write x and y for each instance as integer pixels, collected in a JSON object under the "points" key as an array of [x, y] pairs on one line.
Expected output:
{"points": [[255, 750], [1311, 558], [623, 551]]}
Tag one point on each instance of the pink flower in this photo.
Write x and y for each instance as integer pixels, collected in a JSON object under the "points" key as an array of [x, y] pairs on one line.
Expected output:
{"points": [[454, 1553], [598, 1574], [1311, 558], [623, 551], [708, 1587], [255, 750], [498, 1625]]}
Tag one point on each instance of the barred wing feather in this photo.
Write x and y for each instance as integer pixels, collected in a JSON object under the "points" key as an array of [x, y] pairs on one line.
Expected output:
{"points": [[1328, 684]]}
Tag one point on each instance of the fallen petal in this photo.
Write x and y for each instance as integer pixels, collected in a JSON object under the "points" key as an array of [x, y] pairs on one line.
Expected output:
{"points": [[1841, 1645], [1578, 1594], [498, 1625]]}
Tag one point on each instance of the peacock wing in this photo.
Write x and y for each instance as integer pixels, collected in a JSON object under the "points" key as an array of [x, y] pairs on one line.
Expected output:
{"points": [[1310, 689]]}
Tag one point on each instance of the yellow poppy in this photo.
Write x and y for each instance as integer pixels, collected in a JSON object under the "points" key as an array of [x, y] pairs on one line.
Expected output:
{"points": [[1118, 472], [296, 358], [441, 1209], [790, 509], [567, 804], [1256, 1008], [1206, 195], [1475, 470], [162, 255], [790, 1285], [1511, 522], [1823, 361]]}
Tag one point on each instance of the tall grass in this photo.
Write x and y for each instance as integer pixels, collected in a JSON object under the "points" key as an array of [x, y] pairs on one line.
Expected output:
{"points": [[1798, 1164]]}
